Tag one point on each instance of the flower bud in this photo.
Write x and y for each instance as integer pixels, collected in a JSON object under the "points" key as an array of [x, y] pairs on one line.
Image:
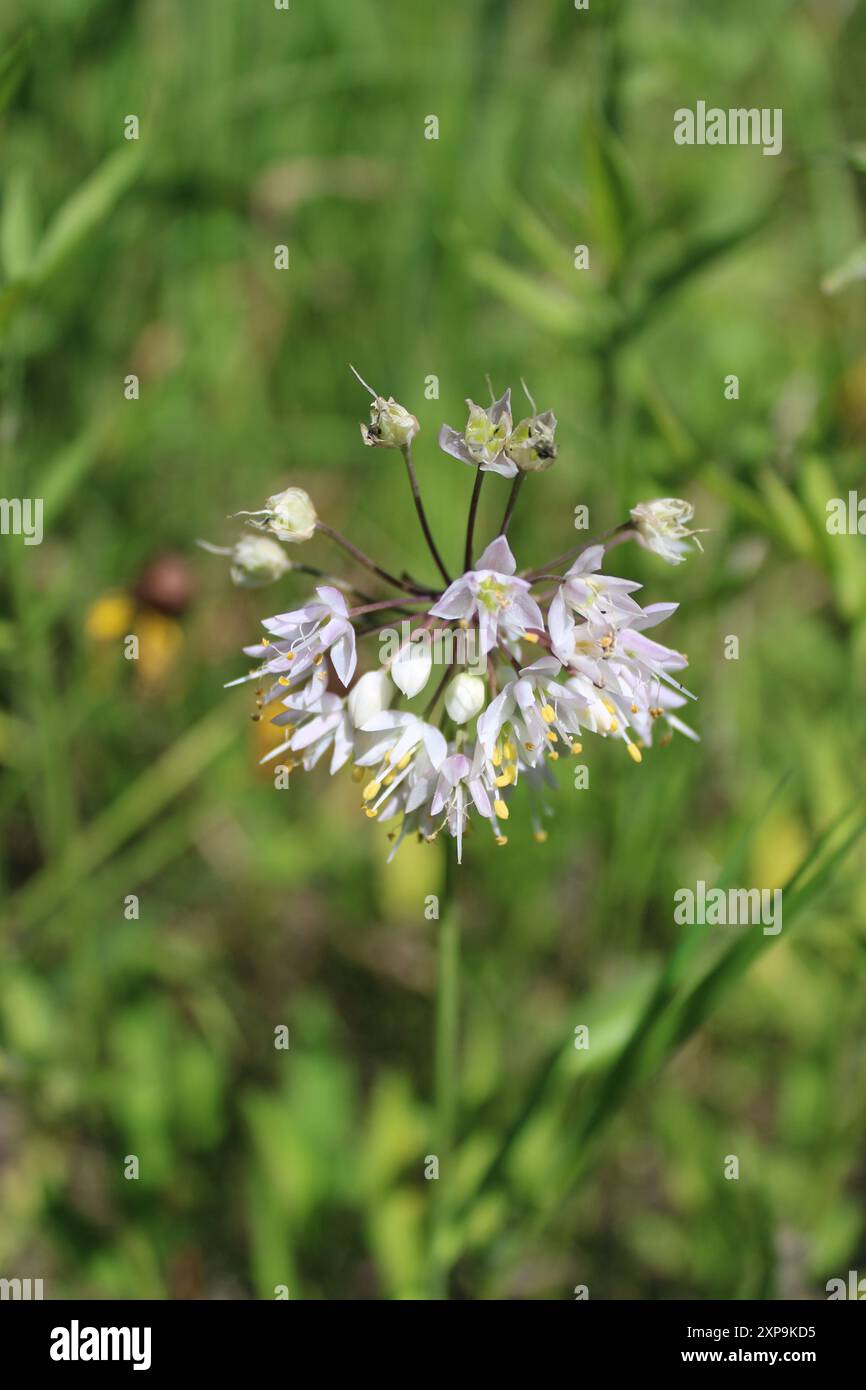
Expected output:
{"points": [[411, 667], [464, 697], [256, 561], [662, 526], [373, 694], [291, 515], [531, 444], [391, 426]]}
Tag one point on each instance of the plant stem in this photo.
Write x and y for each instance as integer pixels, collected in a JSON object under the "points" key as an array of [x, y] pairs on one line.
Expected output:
{"points": [[382, 604], [512, 500], [407, 587], [470, 525], [419, 507], [623, 532], [447, 1023]]}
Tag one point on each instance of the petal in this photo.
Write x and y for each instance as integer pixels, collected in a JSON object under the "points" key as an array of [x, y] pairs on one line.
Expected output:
{"points": [[334, 600], [343, 655], [588, 561], [497, 557], [450, 442], [456, 602], [502, 465]]}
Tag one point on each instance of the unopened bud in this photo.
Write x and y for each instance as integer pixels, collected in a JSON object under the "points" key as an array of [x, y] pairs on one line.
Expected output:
{"points": [[257, 561], [464, 697]]}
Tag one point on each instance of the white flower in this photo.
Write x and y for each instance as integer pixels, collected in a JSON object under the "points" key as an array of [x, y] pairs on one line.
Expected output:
{"points": [[483, 441], [597, 671], [494, 596], [411, 667], [316, 629], [464, 697], [662, 526], [372, 694], [289, 515]]}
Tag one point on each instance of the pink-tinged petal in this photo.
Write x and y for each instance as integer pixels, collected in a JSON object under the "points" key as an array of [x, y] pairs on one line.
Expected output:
{"points": [[488, 630], [456, 602], [501, 465], [588, 561], [450, 442], [652, 614], [560, 624], [386, 719], [499, 408], [436, 744], [528, 611], [478, 792], [315, 729], [497, 557], [491, 721], [343, 655], [455, 767], [334, 600], [546, 666], [342, 748]]}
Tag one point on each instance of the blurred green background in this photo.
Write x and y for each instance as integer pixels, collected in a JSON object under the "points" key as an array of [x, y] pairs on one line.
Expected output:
{"points": [[412, 257]]}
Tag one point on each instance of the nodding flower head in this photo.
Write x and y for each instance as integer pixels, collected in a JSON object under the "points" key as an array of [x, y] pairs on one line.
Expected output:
{"points": [[257, 561], [564, 648], [391, 425], [663, 527], [288, 515]]}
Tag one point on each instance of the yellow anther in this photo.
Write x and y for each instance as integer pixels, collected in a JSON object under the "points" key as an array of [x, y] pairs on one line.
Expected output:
{"points": [[614, 725], [609, 706], [504, 778], [288, 656], [577, 748], [283, 680], [548, 713], [370, 812], [317, 660], [530, 747], [358, 773], [540, 836], [404, 761], [634, 752], [500, 808], [554, 757], [463, 625], [386, 781], [510, 751], [496, 755], [530, 637], [553, 736], [371, 789], [634, 708], [502, 839], [605, 641]]}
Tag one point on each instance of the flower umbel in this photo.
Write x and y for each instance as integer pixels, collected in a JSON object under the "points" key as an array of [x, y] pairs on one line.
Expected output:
{"points": [[564, 653]]}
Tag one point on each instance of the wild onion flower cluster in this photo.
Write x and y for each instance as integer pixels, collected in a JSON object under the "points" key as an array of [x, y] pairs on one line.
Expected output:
{"points": [[530, 661]]}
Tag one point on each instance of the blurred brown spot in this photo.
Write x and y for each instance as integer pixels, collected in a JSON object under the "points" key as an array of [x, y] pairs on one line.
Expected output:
{"points": [[167, 584]]}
